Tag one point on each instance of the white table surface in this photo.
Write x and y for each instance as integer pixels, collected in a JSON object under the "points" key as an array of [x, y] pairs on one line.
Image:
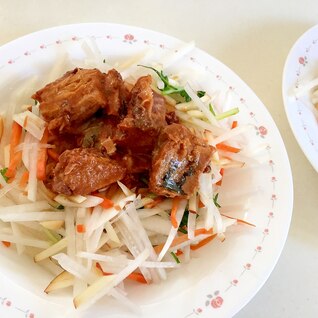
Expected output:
{"points": [[252, 38]]}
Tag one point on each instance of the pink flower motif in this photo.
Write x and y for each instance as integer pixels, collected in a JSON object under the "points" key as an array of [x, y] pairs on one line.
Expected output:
{"points": [[231, 88], [274, 197], [31, 315], [162, 46], [192, 59], [8, 303], [58, 41], [217, 302], [26, 53], [242, 100], [146, 42], [10, 62], [42, 46], [266, 231], [199, 310], [252, 114], [262, 130], [108, 37], [270, 214], [301, 60], [274, 179], [218, 77], [74, 38], [271, 162], [129, 37], [234, 282], [258, 249], [248, 266]]}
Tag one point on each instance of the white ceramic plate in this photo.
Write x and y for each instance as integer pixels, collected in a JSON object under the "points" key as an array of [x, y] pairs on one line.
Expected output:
{"points": [[222, 277], [301, 67]]}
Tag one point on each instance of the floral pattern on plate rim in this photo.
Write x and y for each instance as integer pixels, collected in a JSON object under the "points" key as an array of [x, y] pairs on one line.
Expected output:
{"points": [[302, 62], [215, 300]]}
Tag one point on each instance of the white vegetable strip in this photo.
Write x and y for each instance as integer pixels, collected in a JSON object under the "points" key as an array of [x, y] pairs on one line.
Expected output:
{"points": [[53, 249], [132, 241], [132, 212], [157, 224], [32, 216], [104, 284], [145, 213], [123, 261], [28, 207], [17, 232], [71, 266], [32, 183], [70, 231], [231, 133], [24, 241], [198, 102], [112, 233], [173, 230], [91, 201], [34, 124]]}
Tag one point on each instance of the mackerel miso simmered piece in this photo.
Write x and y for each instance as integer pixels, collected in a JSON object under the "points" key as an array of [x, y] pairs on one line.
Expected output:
{"points": [[146, 112], [178, 160], [78, 95], [83, 171]]}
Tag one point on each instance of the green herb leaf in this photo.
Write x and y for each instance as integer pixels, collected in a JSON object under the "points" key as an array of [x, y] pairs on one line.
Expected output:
{"points": [[201, 93], [215, 200], [171, 89], [3, 173], [175, 258]]}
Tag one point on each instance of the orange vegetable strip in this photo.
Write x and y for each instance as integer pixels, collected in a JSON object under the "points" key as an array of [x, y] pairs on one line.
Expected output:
{"points": [[154, 202], [224, 147], [183, 238], [80, 228], [24, 179], [53, 154], [234, 124], [201, 205], [203, 242], [6, 244], [238, 220], [25, 122], [138, 277], [219, 183], [175, 205], [15, 157], [42, 157], [107, 203]]}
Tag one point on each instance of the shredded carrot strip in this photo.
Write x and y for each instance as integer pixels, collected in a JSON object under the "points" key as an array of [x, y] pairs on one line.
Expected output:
{"points": [[219, 183], [80, 228], [224, 147], [138, 277], [6, 244], [179, 252], [202, 243], [25, 122], [42, 157], [201, 205], [234, 124], [175, 205], [152, 204], [183, 238], [238, 220], [107, 203], [24, 179], [15, 157], [53, 154]]}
